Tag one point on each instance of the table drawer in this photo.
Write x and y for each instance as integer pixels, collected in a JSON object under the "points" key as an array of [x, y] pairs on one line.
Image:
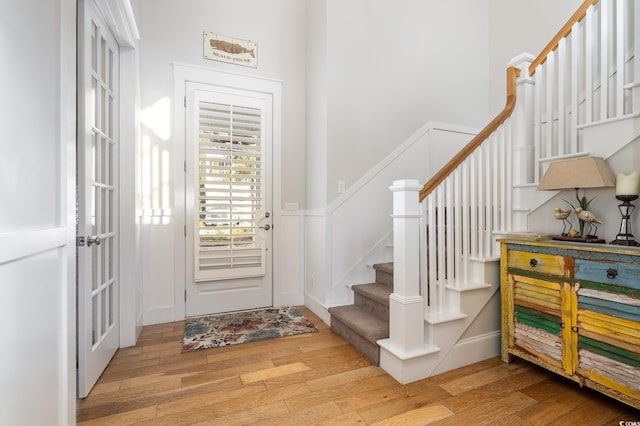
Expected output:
{"points": [[622, 274], [537, 262]]}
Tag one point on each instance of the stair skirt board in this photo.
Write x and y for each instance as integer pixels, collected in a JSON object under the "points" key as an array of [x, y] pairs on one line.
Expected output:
{"points": [[469, 351]]}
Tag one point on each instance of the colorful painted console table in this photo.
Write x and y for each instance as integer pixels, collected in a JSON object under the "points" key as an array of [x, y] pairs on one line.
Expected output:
{"points": [[574, 309]]}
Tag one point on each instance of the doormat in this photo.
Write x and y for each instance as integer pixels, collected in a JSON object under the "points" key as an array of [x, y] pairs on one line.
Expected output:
{"points": [[216, 331]]}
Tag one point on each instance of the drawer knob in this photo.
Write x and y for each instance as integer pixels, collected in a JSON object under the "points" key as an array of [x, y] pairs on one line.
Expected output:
{"points": [[533, 263], [611, 273]]}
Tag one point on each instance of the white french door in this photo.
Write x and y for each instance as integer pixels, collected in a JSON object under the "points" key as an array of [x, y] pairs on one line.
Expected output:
{"points": [[228, 199], [98, 325]]}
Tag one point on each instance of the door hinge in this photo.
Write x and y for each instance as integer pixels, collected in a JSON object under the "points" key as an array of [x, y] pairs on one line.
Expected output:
{"points": [[185, 101], [185, 166], [185, 230], [185, 295]]}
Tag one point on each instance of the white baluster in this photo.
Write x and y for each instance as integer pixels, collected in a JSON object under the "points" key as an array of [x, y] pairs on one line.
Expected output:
{"points": [[450, 253], [432, 249], [440, 248], [588, 55], [550, 66], [458, 228], [466, 223], [604, 59], [575, 91], [537, 126], [562, 77], [620, 58]]}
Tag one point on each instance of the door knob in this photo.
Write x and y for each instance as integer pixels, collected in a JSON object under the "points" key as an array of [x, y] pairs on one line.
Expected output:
{"points": [[265, 227], [94, 239]]}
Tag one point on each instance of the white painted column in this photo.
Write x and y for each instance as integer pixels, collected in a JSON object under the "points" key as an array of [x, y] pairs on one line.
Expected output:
{"points": [[401, 353]]}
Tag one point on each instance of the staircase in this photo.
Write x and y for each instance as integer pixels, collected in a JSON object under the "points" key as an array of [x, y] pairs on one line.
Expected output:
{"points": [[366, 321], [579, 97]]}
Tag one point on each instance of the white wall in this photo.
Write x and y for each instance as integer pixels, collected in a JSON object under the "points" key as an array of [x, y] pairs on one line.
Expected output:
{"points": [[518, 26], [37, 212], [394, 65]]}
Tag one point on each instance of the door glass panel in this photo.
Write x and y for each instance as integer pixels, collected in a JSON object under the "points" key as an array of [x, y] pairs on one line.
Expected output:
{"points": [[94, 272], [94, 47], [103, 108], [103, 205], [111, 305], [111, 70], [94, 320], [103, 263], [94, 157], [110, 258], [111, 123], [103, 300], [111, 213], [94, 210], [103, 65], [110, 181], [94, 102]]}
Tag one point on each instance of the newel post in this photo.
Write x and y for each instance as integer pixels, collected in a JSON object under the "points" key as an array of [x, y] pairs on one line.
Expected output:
{"points": [[523, 159], [406, 305], [522, 119], [405, 355]]}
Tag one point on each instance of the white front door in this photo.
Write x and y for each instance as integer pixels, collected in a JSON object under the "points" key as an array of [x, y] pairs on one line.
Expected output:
{"points": [[228, 199], [98, 326]]}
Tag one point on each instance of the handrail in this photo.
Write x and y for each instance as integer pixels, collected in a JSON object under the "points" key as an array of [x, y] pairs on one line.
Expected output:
{"points": [[512, 74], [564, 32]]}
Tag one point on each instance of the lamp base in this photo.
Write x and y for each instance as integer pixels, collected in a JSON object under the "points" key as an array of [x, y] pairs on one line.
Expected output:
{"points": [[625, 242], [587, 239]]}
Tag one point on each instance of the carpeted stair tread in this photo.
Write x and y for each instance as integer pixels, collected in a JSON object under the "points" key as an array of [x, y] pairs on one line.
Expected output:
{"points": [[386, 267], [384, 273], [374, 291], [362, 322]]}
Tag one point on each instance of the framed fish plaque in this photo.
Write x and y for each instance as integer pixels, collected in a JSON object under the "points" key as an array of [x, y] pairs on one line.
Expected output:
{"points": [[231, 50]]}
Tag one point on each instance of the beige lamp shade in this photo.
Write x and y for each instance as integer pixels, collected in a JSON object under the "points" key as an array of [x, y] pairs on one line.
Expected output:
{"points": [[587, 172]]}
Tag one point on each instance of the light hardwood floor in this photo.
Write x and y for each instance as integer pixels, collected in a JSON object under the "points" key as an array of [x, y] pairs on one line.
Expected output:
{"points": [[318, 378]]}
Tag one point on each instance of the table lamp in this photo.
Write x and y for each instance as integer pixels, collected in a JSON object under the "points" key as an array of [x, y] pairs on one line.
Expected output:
{"points": [[578, 173]]}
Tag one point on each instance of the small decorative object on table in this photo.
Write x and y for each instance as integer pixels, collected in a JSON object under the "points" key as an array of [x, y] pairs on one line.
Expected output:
{"points": [[627, 189], [562, 215]]}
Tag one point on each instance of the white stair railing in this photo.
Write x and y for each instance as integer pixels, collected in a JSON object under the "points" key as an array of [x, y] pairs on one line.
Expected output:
{"points": [[586, 79], [462, 217]]}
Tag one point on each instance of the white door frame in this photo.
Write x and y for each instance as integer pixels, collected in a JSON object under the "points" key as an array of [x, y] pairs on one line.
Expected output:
{"points": [[182, 73]]}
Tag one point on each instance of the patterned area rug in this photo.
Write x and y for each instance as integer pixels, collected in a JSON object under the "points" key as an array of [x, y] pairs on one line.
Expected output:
{"points": [[243, 327]]}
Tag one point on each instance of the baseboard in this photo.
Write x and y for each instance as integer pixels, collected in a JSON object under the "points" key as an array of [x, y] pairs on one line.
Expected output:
{"points": [[317, 308], [471, 350]]}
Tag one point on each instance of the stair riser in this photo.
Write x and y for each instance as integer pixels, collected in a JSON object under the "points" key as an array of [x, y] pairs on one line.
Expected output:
{"points": [[379, 310], [384, 278], [368, 349]]}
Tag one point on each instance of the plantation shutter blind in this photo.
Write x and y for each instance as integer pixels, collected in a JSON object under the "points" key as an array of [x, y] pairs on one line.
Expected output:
{"points": [[229, 192]]}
